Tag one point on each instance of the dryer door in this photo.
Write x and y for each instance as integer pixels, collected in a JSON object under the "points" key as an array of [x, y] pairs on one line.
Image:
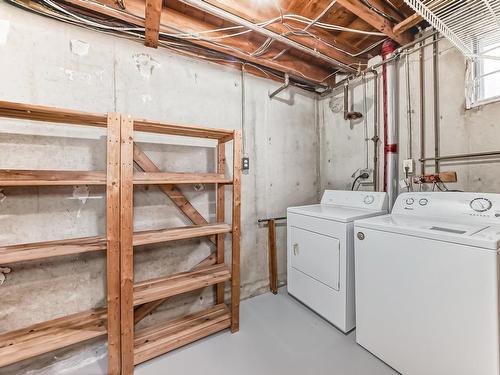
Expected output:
{"points": [[316, 255]]}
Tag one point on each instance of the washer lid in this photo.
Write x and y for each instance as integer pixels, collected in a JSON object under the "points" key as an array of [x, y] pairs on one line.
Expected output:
{"points": [[334, 212], [462, 232]]}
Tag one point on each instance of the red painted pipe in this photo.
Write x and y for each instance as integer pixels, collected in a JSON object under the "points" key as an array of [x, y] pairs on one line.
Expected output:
{"points": [[388, 47]]}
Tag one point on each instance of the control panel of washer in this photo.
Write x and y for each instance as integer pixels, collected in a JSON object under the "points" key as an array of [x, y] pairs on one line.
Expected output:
{"points": [[358, 199], [477, 206]]}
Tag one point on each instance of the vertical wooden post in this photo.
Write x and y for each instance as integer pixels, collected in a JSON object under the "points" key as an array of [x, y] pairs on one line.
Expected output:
{"points": [[113, 241], [221, 207], [126, 246], [235, 262], [273, 261]]}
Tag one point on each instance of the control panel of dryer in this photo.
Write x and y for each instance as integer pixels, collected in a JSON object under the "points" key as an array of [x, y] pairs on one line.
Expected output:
{"points": [[371, 200], [476, 206]]}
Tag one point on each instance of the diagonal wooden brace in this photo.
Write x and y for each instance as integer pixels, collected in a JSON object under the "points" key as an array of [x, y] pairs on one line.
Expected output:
{"points": [[172, 191]]}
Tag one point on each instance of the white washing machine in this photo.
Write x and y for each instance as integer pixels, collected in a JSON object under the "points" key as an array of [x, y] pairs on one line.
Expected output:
{"points": [[320, 262], [427, 295]]}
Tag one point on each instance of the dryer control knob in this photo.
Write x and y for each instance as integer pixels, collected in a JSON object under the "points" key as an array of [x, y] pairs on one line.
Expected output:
{"points": [[369, 199], [361, 236]]}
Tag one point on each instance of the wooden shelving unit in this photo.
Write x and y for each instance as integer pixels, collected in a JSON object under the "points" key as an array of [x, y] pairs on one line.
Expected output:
{"points": [[59, 333], [129, 302], [140, 299]]}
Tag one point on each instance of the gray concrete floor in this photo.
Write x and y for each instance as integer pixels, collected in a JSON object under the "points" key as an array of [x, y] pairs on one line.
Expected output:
{"points": [[278, 335]]}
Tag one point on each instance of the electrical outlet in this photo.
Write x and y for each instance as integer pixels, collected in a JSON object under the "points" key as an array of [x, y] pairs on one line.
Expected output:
{"points": [[245, 162], [409, 165], [366, 170]]}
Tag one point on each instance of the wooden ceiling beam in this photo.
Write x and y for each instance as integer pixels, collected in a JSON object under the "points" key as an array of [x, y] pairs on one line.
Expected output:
{"points": [[322, 42], [152, 22], [377, 21], [171, 19], [209, 7], [407, 24]]}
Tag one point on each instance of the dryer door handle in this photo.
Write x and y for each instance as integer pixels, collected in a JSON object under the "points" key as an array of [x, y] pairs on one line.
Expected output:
{"points": [[295, 248]]}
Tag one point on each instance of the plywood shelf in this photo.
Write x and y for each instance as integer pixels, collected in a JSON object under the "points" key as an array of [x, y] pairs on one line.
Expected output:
{"points": [[25, 177], [163, 178], [164, 337], [41, 250], [51, 335], [164, 287], [174, 234]]}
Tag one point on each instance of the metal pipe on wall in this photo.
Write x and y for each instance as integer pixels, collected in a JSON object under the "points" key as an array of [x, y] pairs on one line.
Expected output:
{"points": [[365, 122], [421, 64], [376, 137], [390, 125], [408, 109], [435, 79]]}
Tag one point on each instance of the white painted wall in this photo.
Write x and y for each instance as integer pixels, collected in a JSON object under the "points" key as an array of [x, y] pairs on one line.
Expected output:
{"points": [[50, 63], [461, 130]]}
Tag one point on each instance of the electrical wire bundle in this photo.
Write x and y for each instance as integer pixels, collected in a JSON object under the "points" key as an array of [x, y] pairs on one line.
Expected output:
{"points": [[181, 41]]}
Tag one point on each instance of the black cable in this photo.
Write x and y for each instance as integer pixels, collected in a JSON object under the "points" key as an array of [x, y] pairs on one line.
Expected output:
{"points": [[363, 176], [354, 182]]}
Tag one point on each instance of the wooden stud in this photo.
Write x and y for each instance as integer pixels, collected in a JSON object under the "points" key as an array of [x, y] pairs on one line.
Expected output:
{"points": [[152, 22], [220, 215], [113, 242], [273, 261], [235, 261], [126, 245]]}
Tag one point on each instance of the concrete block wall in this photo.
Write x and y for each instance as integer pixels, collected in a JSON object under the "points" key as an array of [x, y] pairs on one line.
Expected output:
{"points": [[461, 130], [50, 63]]}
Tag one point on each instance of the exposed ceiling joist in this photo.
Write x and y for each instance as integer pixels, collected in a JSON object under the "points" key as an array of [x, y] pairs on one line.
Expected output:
{"points": [[376, 20], [221, 13], [152, 22], [134, 15], [407, 24]]}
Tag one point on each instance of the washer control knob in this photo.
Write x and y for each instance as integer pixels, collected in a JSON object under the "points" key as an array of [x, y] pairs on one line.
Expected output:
{"points": [[361, 236], [423, 201], [369, 199], [409, 201], [480, 204]]}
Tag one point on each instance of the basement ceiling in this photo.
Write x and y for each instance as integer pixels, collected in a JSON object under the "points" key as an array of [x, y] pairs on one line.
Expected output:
{"points": [[311, 41]]}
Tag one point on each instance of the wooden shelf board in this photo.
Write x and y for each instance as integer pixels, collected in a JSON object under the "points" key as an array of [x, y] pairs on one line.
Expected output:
{"points": [[50, 114], [40, 250], [163, 287], [174, 234], [161, 338], [25, 177], [48, 336], [162, 178], [182, 130]]}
